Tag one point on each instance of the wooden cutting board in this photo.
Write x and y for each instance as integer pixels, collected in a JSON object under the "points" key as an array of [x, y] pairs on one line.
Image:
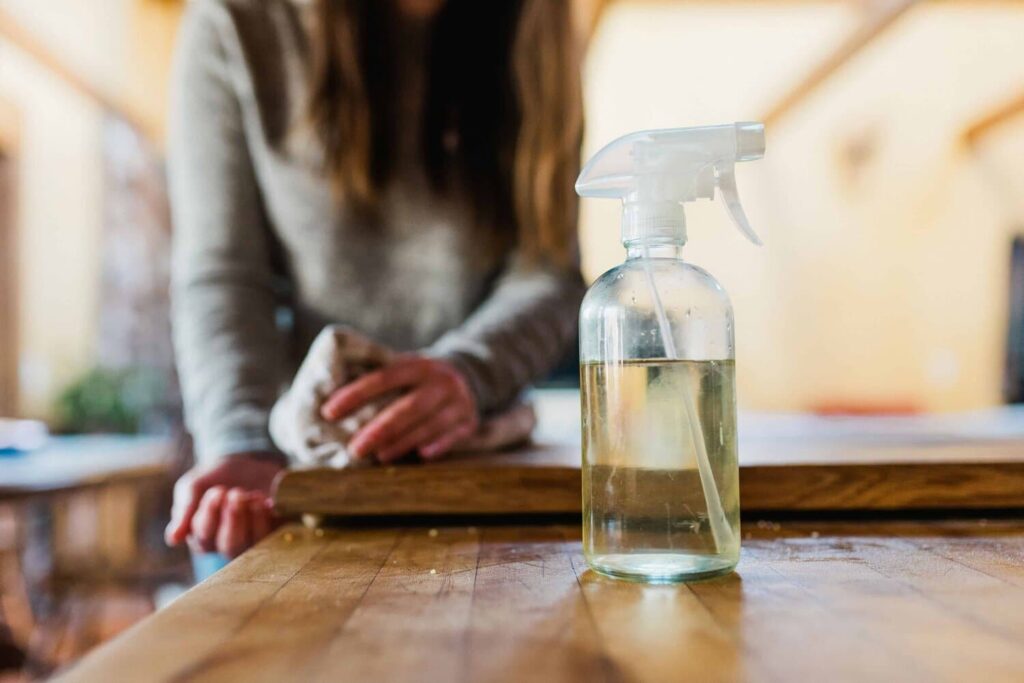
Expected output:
{"points": [[776, 474]]}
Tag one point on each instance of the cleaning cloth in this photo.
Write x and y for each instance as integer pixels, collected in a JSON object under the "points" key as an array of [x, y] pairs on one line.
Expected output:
{"points": [[337, 356]]}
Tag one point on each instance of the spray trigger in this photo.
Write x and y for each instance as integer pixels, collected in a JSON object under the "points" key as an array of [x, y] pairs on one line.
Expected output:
{"points": [[731, 195], [655, 172]]}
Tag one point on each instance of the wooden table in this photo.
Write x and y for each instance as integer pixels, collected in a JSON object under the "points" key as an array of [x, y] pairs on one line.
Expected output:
{"points": [[787, 462], [879, 600], [486, 599], [68, 464]]}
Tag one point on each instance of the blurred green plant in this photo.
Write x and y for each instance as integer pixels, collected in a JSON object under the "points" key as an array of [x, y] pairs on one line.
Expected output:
{"points": [[106, 400]]}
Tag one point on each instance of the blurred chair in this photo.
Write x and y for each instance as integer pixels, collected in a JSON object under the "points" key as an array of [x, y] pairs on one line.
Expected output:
{"points": [[82, 557], [15, 613]]}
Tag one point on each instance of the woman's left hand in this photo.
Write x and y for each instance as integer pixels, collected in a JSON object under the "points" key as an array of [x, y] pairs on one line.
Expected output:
{"points": [[436, 413]]}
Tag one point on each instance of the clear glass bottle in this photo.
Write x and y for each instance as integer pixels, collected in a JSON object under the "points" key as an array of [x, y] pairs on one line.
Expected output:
{"points": [[658, 389], [645, 512]]}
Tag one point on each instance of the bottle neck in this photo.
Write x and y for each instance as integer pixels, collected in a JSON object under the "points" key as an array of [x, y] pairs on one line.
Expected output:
{"points": [[638, 249]]}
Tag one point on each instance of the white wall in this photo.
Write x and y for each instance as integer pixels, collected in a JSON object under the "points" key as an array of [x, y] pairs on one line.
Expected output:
{"points": [[122, 47], [58, 226]]}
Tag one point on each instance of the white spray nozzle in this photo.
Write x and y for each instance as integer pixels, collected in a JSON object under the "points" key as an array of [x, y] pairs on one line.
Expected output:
{"points": [[654, 172]]}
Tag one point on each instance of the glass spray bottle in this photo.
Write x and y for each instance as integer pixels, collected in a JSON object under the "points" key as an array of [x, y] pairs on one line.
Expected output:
{"points": [[658, 400]]}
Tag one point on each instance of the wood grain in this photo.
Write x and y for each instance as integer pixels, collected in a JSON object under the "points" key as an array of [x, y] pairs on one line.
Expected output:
{"points": [[525, 482], [774, 476], [809, 601]]}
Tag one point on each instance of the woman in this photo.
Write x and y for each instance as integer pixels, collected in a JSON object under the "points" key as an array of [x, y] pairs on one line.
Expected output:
{"points": [[403, 167]]}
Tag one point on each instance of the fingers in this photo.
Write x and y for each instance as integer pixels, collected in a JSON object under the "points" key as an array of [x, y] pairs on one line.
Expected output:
{"points": [[259, 518], [410, 421], [230, 520], [423, 433], [207, 518], [234, 534], [396, 419], [446, 441], [402, 373], [188, 491]]}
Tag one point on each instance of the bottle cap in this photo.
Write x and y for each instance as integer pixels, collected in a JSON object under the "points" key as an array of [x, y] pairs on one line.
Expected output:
{"points": [[655, 172]]}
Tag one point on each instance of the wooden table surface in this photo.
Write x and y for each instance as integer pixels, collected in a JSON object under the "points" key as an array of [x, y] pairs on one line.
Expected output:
{"points": [[875, 600]]}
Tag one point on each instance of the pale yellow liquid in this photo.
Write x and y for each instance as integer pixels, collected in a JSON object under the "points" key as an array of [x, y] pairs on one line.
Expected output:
{"points": [[645, 515]]}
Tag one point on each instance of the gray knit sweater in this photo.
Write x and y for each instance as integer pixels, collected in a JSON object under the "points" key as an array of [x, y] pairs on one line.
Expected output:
{"points": [[256, 224]]}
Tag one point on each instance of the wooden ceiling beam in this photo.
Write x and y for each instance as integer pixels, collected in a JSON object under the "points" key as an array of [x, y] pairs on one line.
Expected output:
{"points": [[881, 18], [12, 31], [994, 119]]}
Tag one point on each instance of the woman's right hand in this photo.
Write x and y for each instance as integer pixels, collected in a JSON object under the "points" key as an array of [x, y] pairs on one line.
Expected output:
{"points": [[225, 507]]}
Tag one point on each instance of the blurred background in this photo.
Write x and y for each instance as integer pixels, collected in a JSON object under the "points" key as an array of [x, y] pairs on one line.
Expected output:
{"points": [[889, 201]]}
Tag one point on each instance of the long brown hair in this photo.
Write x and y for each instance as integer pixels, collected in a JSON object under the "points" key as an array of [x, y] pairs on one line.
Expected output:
{"points": [[502, 118]]}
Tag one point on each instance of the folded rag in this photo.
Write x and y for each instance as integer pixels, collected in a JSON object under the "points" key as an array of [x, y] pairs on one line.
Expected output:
{"points": [[337, 356]]}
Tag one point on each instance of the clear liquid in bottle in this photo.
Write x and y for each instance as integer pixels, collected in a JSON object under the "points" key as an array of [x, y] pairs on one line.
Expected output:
{"points": [[645, 513]]}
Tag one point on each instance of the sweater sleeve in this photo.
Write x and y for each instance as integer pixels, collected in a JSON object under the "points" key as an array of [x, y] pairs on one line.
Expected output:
{"points": [[223, 301], [518, 333]]}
